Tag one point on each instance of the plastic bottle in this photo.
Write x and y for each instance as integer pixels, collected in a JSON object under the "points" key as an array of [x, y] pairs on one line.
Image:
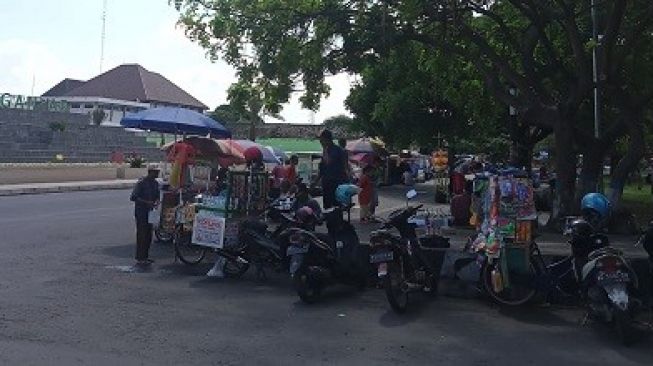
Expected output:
{"points": [[497, 283]]}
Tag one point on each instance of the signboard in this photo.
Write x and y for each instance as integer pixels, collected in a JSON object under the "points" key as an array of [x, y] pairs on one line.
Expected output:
{"points": [[10, 101], [208, 229]]}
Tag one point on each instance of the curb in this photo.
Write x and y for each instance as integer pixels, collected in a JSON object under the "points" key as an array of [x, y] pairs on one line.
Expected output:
{"points": [[19, 191]]}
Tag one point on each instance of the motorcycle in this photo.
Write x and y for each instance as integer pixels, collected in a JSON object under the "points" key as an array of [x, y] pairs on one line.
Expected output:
{"points": [[262, 247], [404, 262], [318, 260]]}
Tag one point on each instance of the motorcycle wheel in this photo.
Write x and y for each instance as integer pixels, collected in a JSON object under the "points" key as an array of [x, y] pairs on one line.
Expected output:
{"points": [[234, 269], [623, 325], [515, 296], [307, 290], [395, 289], [162, 236], [185, 250]]}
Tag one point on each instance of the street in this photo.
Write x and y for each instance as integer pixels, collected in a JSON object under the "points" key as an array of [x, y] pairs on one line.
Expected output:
{"points": [[67, 298]]}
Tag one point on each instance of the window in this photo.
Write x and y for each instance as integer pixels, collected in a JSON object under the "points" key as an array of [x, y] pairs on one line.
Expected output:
{"points": [[88, 106], [75, 105]]}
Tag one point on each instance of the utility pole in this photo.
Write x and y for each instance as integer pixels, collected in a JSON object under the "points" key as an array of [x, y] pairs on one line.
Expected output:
{"points": [[596, 76], [595, 70], [103, 34]]}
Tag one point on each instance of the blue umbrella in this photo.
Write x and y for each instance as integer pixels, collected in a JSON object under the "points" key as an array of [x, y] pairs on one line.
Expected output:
{"points": [[175, 120], [278, 153]]}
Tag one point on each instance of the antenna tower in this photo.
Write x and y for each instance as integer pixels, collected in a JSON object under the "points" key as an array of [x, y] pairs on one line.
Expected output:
{"points": [[103, 35]]}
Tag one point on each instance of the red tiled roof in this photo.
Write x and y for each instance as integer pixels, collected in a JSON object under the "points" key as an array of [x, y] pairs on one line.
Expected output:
{"points": [[63, 87], [135, 83]]}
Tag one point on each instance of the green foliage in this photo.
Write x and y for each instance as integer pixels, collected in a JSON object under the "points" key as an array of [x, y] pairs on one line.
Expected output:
{"points": [[135, 161], [227, 115], [57, 126], [418, 96], [98, 115], [340, 122]]}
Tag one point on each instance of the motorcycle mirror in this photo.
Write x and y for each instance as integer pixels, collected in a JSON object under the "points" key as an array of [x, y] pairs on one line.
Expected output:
{"points": [[411, 194]]}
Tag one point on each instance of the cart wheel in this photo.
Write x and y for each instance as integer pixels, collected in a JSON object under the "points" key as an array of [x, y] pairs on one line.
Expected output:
{"points": [[186, 251], [163, 236]]}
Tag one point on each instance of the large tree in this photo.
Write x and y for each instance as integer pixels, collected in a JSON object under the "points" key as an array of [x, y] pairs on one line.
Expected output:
{"points": [[533, 55]]}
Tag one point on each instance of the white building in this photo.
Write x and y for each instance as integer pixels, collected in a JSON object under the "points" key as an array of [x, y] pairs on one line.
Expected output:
{"points": [[124, 89]]}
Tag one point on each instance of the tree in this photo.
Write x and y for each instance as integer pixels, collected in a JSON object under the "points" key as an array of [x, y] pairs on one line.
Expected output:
{"points": [[227, 115], [339, 122], [531, 55], [98, 115]]}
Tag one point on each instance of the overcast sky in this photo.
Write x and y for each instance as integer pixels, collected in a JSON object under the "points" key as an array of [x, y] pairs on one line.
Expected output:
{"points": [[45, 41]]}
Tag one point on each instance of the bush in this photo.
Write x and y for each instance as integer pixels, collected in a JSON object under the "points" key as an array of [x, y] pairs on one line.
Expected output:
{"points": [[58, 126], [98, 116], [135, 161]]}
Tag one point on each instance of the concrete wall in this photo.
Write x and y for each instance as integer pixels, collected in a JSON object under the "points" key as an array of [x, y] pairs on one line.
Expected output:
{"points": [[26, 137]]}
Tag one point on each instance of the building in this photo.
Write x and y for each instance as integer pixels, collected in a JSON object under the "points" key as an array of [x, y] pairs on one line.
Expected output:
{"points": [[124, 89]]}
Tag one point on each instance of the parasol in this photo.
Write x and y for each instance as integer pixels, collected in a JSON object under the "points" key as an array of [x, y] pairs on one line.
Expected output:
{"points": [[175, 120]]}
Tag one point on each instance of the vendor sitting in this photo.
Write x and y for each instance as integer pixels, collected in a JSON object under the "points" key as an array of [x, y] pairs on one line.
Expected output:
{"points": [[286, 190], [303, 198]]}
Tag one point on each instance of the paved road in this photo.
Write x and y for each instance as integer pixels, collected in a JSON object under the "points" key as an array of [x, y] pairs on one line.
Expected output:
{"points": [[64, 301]]}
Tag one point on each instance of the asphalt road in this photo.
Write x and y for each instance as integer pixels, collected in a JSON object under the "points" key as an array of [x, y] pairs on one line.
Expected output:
{"points": [[65, 301]]}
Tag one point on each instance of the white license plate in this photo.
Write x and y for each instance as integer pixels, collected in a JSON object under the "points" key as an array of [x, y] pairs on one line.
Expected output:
{"points": [[292, 250], [381, 257], [383, 269], [612, 277]]}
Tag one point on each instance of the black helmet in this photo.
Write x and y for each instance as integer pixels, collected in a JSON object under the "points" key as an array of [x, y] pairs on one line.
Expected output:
{"points": [[581, 229]]}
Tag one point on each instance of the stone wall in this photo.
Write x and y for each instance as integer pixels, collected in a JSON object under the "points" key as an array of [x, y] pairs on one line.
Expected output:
{"points": [[29, 136]]}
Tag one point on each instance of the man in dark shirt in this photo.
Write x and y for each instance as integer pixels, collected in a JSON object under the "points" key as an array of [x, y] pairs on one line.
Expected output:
{"points": [[145, 197], [333, 168]]}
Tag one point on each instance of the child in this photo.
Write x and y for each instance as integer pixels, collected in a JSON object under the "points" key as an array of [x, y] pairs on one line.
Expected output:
{"points": [[366, 193]]}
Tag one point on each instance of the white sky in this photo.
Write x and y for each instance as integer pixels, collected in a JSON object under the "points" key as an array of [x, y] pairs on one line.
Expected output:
{"points": [[45, 41]]}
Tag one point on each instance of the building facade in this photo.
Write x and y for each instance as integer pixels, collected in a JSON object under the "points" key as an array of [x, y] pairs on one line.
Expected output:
{"points": [[127, 88]]}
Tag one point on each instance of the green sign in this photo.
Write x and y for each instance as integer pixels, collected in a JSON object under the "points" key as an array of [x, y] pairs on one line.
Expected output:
{"points": [[10, 101]]}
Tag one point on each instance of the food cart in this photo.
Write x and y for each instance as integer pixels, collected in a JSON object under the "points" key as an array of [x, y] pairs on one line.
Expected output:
{"points": [[507, 210]]}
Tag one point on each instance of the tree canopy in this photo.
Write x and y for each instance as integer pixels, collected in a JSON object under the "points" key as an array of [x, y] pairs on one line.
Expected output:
{"points": [[535, 56]]}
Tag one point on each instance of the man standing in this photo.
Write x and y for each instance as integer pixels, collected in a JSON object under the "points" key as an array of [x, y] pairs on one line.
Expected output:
{"points": [[333, 168], [145, 197]]}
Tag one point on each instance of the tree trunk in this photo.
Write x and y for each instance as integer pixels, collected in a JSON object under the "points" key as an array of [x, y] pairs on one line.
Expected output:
{"points": [[252, 130], [521, 154], [565, 160], [627, 164], [521, 148], [592, 170]]}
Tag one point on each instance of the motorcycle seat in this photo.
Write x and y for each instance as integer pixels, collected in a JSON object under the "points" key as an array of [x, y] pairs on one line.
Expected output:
{"points": [[603, 252], [254, 225], [434, 242]]}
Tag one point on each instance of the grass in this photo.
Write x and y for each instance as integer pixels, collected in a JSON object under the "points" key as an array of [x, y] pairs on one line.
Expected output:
{"points": [[292, 144], [639, 202], [285, 144]]}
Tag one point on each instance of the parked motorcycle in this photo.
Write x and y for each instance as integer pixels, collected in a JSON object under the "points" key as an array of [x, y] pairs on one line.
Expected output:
{"points": [[262, 247], [318, 260], [594, 270], [404, 262]]}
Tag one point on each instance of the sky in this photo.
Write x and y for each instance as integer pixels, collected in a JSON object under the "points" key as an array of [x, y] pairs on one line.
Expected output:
{"points": [[44, 41]]}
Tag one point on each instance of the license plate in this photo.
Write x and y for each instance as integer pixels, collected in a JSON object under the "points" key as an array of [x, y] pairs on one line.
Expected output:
{"points": [[613, 277], [383, 269], [292, 250], [381, 257], [295, 264]]}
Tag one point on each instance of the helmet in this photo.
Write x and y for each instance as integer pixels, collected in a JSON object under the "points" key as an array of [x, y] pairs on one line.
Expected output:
{"points": [[345, 192], [580, 229], [253, 154], [305, 214], [596, 206]]}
